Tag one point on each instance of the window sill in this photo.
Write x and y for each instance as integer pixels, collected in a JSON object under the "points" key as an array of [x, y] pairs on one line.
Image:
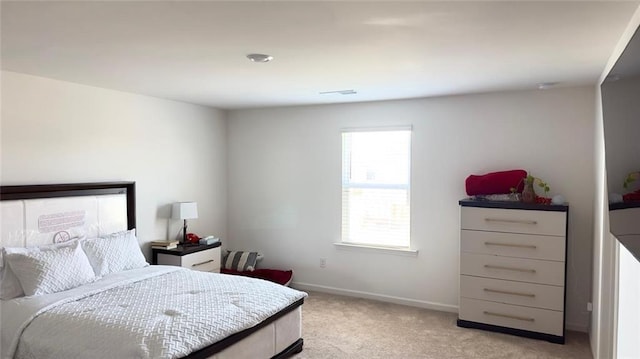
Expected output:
{"points": [[367, 248]]}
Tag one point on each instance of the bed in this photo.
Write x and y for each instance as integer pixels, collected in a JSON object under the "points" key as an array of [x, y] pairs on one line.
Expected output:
{"points": [[85, 290]]}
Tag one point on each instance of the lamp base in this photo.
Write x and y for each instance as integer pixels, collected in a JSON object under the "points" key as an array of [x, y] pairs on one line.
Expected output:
{"points": [[184, 233]]}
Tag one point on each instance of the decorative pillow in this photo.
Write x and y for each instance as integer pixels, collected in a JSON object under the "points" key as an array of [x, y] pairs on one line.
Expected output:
{"points": [[51, 271], [114, 253], [240, 261], [9, 284], [10, 287]]}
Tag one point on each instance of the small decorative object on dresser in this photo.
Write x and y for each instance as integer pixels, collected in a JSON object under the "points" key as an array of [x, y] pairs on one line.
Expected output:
{"points": [[512, 268], [205, 258], [528, 194], [631, 195]]}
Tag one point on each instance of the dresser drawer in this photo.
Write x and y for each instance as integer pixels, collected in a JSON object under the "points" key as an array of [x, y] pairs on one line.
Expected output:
{"points": [[510, 292], [205, 261], [512, 316], [518, 269], [513, 244], [550, 223]]}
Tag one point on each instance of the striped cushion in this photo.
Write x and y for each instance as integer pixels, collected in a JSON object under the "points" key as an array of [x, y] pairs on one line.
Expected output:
{"points": [[240, 261]]}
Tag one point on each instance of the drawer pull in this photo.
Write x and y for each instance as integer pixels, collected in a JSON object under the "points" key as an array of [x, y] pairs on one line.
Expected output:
{"points": [[530, 246], [526, 319], [531, 295], [489, 266], [521, 221], [201, 263]]}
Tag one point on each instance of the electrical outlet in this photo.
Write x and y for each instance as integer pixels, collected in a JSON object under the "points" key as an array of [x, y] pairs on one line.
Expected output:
{"points": [[323, 262], [590, 307]]}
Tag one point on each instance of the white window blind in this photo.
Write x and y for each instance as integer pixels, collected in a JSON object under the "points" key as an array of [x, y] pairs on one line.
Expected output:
{"points": [[376, 172]]}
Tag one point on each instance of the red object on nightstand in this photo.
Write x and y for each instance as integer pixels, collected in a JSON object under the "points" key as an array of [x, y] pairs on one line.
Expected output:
{"points": [[192, 238]]}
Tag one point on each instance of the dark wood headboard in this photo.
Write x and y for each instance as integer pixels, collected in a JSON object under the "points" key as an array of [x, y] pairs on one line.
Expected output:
{"points": [[75, 189]]}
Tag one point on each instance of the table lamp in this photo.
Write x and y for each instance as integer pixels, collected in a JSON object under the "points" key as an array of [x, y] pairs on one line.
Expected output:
{"points": [[184, 211]]}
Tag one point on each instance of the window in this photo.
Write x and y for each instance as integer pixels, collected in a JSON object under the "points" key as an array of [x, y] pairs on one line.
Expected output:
{"points": [[376, 172]]}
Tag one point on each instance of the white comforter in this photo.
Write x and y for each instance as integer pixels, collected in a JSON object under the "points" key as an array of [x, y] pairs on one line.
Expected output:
{"points": [[152, 312]]}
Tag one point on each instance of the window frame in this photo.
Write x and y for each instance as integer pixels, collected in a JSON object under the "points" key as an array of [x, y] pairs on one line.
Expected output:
{"points": [[347, 184]]}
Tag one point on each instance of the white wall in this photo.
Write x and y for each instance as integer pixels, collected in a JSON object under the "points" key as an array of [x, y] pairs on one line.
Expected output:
{"points": [[58, 132], [284, 186]]}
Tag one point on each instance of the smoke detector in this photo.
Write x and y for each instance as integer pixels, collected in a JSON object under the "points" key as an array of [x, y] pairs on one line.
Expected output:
{"points": [[259, 57], [546, 85]]}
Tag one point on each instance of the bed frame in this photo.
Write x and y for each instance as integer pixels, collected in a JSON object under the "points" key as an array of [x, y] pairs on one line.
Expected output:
{"points": [[235, 345]]}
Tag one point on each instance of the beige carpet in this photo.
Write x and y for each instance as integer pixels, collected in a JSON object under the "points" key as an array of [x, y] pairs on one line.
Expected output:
{"points": [[344, 327]]}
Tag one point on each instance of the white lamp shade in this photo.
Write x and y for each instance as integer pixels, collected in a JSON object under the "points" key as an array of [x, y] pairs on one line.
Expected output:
{"points": [[184, 210]]}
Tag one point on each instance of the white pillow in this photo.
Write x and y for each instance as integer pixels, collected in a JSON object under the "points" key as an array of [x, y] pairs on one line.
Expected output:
{"points": [[9, 284], [116, 252], [51, 271]]}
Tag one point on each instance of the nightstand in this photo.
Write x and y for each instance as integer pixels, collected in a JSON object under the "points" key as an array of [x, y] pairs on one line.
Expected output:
{"points": [[205, 258]]}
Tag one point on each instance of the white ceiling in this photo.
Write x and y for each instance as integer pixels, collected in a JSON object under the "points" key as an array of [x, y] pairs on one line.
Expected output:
{"points": [[195, 51]]}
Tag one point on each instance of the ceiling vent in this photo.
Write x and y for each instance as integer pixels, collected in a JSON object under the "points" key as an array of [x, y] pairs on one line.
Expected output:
{"points": [[341, 92]]}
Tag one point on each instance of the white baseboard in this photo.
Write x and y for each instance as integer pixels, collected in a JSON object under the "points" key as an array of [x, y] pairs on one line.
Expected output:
{"points": [[380, 297]]}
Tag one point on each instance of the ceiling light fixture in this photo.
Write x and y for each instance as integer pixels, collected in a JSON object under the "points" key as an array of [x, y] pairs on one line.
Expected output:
{"points": [[259, 57], [546, 85], [341, 92]]}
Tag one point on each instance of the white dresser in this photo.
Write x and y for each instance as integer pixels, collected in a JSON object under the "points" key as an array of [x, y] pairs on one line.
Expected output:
{"points": [[512, 268]]}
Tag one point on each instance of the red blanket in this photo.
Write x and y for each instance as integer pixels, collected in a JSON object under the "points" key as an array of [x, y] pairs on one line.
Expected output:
{"points": [[274, 275], [495, 182]]}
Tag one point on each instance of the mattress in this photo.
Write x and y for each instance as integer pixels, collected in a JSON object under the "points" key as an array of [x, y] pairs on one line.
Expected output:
{"points": [[151, 312]]}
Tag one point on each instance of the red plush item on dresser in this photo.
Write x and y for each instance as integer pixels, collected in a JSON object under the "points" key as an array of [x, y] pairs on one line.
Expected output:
{"points": [[495, 182], [274, 275]]}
